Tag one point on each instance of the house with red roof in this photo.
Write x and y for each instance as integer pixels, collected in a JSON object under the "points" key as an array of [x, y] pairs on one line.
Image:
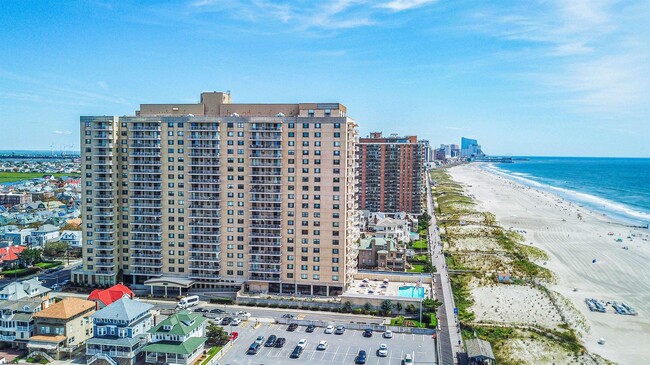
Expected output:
{"points": [[105, 297], [10, 255]]}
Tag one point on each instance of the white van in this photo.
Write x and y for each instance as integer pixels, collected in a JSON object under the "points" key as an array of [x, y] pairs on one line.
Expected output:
{"points": [[187, 302]]}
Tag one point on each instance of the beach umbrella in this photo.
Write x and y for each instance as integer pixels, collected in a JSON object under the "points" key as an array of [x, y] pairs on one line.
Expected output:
{"points": [[593, 261]]}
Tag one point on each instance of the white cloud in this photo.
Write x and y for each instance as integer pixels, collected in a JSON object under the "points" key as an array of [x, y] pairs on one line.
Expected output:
{"points": [[401, 5], [102, 84]]}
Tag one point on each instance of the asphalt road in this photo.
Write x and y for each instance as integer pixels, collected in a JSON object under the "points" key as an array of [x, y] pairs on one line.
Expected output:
{"points": [[48, 279]]}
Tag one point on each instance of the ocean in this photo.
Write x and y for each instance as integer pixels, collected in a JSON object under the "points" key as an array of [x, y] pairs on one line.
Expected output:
{"points": [[617, 187]]}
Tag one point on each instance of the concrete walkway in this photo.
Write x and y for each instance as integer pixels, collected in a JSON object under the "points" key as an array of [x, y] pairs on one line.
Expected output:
{"points": [[450, 339]]}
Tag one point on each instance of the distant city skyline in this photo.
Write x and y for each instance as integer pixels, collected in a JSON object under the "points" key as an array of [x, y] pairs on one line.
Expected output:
{"points": [[547, 78]]}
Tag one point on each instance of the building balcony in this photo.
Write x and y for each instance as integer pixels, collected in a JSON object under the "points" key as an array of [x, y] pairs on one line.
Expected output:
{"points": [[102, 127], [104, 264], [146, 238], [195, 163], [104, 247], [204, 232], [145, 179], [204, 241], [266, 146], [204, 206], [207, 215], [265, 226], [138, 229], [105, 272], [105, 256], [141, 187], [205, 258], [256, 163], [257, 234], [211, 146], [155, 265], [146, 196], [104, 230], [257, 269], [146, 272], [265, 243], [146, 247], [264, 261], [266, 217], [145, 171], [199, 189], [266, 154], [266, 181], [265, 253], [145, 128], [266, 278], [144, 154], [141, 204], [205, 223], [265, 136], [204, 250], [204, 267], [264, 127], [201, 275], [263, 199], [105, 238], [198, 127], [140, 213], [203, 197], [146, 256], [204, 180], [266, 208], [204, 153], [145, 162], [95, 351]]}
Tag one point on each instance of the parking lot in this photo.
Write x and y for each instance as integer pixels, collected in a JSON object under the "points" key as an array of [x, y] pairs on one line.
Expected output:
{"points": [[342, 349]]}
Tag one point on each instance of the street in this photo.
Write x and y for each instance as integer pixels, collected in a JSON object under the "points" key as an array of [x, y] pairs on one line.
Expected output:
{"points": [[48, 279], [450, 338]]}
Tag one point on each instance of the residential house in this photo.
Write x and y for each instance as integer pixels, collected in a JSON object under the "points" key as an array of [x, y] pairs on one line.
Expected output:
{"points": [[104, 297], [25, 289], [10, 255], [120, 332], [397, 229], [62, 327], [72, 238], [44, 234], [18, 237], [17, 322], [10, 199], [380, 253], [179, 339]]}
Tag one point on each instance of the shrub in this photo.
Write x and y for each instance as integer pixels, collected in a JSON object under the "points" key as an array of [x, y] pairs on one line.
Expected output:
{"points": [[221, 301], [283, 306], [357, 310], [274, 305]]}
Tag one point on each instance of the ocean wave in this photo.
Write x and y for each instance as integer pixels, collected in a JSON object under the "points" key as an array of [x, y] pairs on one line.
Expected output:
{"points": [[603, 205]]}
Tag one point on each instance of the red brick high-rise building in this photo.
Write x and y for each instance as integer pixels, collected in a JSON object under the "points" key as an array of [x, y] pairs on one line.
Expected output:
{"points": [[391, 174]]}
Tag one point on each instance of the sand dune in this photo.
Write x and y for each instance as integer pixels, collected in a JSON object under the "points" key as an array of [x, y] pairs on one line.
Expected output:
{"points": [[553, 224]]}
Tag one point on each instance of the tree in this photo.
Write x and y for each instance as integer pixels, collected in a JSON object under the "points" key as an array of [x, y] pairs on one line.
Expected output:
{"points": [[367, 306], [216, 335], [387, 307], [410, 308], [347, 307], [30, 256], [431, 304], [428, 267], [55, 249], [399, 306], [424, 220]]}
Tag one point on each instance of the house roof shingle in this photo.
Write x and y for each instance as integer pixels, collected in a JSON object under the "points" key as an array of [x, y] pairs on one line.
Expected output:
{"points": [[65, 309], [110, 295], [124, 309]]}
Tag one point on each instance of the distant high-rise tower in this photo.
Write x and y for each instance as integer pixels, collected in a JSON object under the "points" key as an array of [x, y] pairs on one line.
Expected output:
{"points": [[391, 173], [470, 148], [215, 195]]}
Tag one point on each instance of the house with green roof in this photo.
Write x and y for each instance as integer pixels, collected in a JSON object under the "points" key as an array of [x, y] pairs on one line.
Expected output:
{"points": [[380, 253], [179, 339], [121, 331]]}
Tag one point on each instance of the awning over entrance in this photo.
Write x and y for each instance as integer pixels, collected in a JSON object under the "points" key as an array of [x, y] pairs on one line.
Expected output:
{"points": [[170, 281]]}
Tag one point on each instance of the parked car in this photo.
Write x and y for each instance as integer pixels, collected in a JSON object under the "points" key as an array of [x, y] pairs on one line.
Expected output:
{"points": [[310, 328], [235, 322], [290, 316], [216, 320], [383, 350], [408, 359], [280, 342], [329, 329], [361, 357], [270, 342], [254, 348], [388, 334], [339, 330], [259, 340], [201, 310], [302, 343], [217, 311], [226, 321], [233, 336], [322, 345], [292, 327], [367, 332], [243, 315], [297, 351]]}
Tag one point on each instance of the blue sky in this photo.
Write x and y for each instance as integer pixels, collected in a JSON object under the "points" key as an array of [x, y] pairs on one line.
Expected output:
{"points": [[526, 78]]}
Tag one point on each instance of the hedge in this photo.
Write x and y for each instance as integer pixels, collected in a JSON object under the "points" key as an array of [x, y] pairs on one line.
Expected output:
{"points": [[222, 301]]}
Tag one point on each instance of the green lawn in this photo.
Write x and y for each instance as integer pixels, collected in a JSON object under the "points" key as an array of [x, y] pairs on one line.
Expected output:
{"points": [[417, 268], [48, 264], [420, 244], [211, 352], [19, 176]]}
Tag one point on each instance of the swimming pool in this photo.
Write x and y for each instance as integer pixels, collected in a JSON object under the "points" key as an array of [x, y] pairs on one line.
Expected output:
{"points": [[410, 292]]}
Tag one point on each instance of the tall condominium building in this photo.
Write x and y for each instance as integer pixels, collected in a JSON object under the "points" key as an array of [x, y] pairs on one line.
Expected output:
{"points": [[391, 174], [216, 195]]}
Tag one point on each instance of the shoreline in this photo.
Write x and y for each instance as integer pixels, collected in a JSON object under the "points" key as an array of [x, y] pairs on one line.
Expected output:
{"points": [[573, 236], [620, 213]]}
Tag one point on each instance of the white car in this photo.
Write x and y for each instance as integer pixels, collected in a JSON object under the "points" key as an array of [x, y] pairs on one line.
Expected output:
{"points": [[383, 350], [244, 315], [235, 322], [329, 329], [322, 345], [388, 334], [302, 343], [216, 320]]}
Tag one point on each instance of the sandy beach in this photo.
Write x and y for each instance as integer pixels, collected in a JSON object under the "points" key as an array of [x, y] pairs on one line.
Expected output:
{"points": [[573, 237]]}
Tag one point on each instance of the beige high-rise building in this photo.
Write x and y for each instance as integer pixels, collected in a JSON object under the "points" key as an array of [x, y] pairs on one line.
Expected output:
{"points": [[210, 196]]}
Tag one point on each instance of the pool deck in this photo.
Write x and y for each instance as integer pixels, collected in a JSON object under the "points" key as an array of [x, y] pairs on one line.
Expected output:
{"points": [[391, 289]]}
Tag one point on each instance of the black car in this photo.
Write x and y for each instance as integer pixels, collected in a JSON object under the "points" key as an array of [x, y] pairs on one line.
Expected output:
{"points": [[361, 358], [292, 327], [297, 351], [280, 342], [288, 316], [226, 321], [270, 342], [367, 332], [310, 328], [200, 310], [253, 349], [217, 311]]}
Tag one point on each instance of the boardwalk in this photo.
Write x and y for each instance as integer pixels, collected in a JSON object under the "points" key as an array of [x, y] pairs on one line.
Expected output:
{"points": [[449, 336]]}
